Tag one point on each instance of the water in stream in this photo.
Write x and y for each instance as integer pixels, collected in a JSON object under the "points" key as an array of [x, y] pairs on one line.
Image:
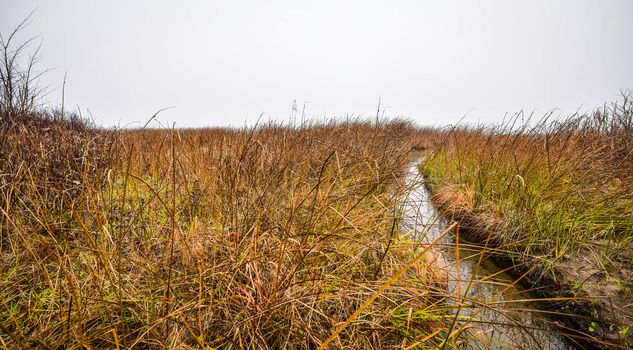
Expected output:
{"points": [[491, 305]]}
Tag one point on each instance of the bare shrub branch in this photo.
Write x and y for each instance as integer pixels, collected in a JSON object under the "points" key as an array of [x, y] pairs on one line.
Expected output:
{"points": [[19, 77]]}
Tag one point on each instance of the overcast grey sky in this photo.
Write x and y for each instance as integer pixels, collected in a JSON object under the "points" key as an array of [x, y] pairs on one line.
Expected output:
{"points": [[226, 62]]}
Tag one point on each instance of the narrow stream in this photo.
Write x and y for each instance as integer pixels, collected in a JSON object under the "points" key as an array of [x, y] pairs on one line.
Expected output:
{"points": [[492, 307]]}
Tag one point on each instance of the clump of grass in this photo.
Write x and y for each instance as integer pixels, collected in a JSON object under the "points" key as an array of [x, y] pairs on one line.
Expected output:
{"points": [[269, 237], [556, 192], [48, 167]]}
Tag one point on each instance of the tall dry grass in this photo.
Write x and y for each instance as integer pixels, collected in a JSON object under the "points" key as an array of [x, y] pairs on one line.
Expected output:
{"points": [[270, 237], [48, 166]]}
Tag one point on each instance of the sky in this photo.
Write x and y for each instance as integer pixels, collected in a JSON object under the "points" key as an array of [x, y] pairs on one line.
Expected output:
{"points": [[225, 63]]}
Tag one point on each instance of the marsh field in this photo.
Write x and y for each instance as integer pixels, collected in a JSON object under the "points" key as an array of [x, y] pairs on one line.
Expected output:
{"points": [[299, 236]]}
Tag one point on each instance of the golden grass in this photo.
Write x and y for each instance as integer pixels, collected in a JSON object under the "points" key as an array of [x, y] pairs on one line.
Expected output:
{"points": [[269, 237]]}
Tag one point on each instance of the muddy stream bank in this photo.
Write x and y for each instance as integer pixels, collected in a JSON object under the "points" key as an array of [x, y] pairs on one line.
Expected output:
{"points": [[498, 313]]}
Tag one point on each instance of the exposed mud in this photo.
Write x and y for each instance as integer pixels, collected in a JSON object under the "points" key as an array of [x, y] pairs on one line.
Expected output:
{"points": [[587, 284]]}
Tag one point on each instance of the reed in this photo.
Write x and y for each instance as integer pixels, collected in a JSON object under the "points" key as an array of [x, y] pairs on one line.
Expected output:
{"points": [[269, 237], [557, 193]]}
